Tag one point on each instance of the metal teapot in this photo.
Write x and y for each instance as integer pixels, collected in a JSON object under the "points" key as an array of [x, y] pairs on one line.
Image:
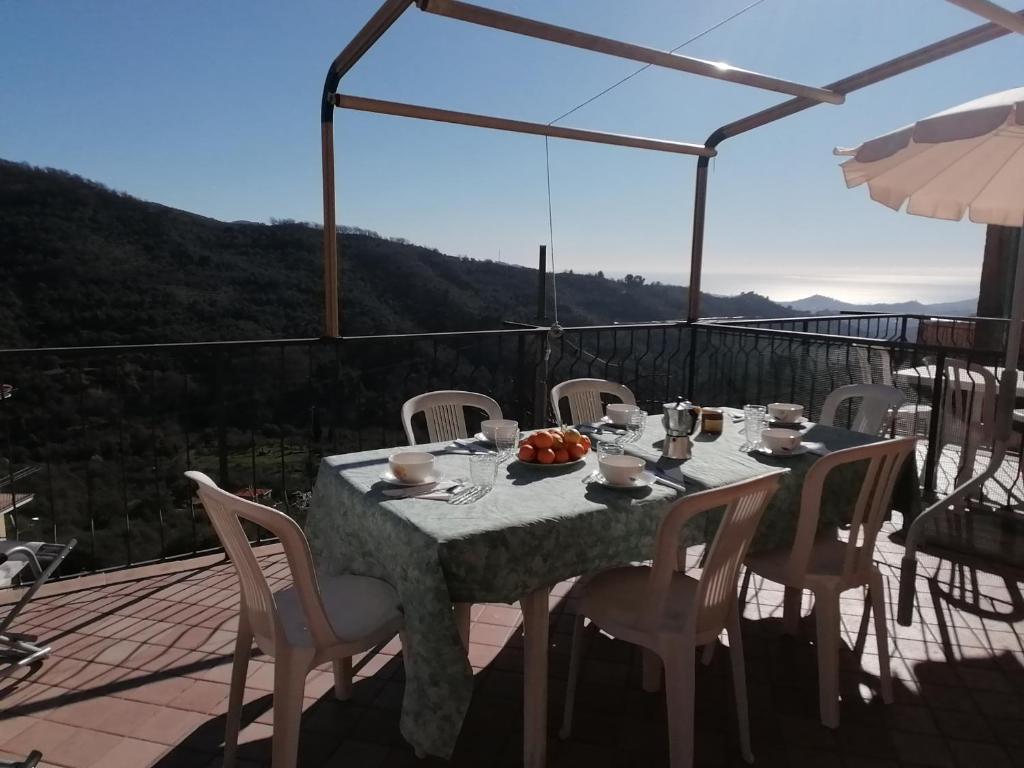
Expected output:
{"points": [[680, 421]]}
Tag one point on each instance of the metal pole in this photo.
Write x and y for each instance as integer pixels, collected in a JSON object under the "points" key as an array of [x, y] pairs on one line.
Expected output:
{"points": [[993, 12], [542, 285], [378, 24], [700, 204], [399, 109]]}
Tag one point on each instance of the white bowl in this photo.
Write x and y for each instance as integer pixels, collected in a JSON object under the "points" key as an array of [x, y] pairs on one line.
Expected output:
{"points": [[411, 466], [488, 427], [618, 413], [781, 439], [787, 413], [620, 470]]}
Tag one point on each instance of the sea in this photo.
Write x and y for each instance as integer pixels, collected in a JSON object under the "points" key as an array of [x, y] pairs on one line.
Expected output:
{"points": [[862, 288]]}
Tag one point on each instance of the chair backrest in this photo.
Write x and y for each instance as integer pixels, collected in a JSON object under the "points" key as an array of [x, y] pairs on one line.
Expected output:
{"points": [[584, 397], [744, 504], [968, 416], [226, 512], [874, 412], [445, 413], [883, 461]]}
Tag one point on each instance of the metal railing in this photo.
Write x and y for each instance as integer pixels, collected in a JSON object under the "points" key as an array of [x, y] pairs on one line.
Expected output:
{"points": [[110, 430]]}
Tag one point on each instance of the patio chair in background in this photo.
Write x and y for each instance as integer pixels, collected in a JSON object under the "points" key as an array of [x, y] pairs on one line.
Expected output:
{"points": [[669, 613], [445, 413], [912, 418], [584, 396], [874, 412], [300, 626], [828, 566], [20, 650]]}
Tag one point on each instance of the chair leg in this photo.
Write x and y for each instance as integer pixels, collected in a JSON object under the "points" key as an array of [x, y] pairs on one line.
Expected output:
{"points": [[575, 660], [791, 610], [826, 613], [876, 594], [708, 654], [239, 672], [290, 670], [739, 683], [462, 621], [343, 678], [679, 682], [652, 669]]}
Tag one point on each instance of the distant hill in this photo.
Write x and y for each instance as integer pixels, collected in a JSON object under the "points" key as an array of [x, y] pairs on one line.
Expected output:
{"points": [[83, 264], [819, 303]]}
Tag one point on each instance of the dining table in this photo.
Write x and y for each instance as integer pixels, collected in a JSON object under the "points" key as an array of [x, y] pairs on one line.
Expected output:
{"points": [[538, 526]]}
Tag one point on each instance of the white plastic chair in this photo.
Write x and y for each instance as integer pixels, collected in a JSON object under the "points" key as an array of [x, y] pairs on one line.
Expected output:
{"points": [[912, 419], [301, 626], [584, 397], [874, 412], [828, 566], [669, 613], [968, 413], [445, 413]]}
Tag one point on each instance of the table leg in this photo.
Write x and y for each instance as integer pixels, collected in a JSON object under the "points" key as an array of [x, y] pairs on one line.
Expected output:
{"points": [[535, 678], [462, 621]]}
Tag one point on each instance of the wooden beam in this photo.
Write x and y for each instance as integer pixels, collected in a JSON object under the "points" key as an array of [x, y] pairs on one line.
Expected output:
{"points": [[486, 17], [378, 106]]}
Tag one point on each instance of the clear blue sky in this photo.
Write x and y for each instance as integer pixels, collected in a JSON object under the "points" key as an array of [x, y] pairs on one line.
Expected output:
{"points": [[213, 107]]}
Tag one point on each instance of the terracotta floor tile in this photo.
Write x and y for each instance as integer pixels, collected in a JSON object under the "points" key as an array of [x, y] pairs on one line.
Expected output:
{"points": [[133, 753]]}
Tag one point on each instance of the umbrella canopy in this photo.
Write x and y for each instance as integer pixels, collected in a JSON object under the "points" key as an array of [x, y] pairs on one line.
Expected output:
{"points": [[967, 159]]}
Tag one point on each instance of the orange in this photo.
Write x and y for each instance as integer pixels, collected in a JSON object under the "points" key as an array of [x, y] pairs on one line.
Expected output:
{"points": [[557, 437], [561, 456], [585, 442], [576, 451], [543, 440], [527, 452], [545, 456], [571, 436]]}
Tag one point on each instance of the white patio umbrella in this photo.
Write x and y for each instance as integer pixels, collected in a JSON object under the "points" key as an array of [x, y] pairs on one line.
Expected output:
{"points": [[968, 159]]}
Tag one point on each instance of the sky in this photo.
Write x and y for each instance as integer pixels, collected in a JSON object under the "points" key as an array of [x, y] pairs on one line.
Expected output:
{"points": [[213, 107]]}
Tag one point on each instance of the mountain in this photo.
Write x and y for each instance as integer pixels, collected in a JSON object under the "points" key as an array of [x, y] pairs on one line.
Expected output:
{"points": [[86, 265], [819, 303]]}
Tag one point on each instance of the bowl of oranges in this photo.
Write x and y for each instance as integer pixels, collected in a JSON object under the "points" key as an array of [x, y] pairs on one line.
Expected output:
{"points": [[554, 448]]}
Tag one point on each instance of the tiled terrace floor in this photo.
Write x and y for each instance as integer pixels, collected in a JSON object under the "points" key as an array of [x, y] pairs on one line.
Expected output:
{"points": [[139, 678]]}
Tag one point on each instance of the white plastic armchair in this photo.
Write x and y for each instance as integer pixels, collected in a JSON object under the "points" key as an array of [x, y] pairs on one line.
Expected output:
{"points": [[669, 613], [300, 626], [584, 397], [829, 566], [878, 404], [445, 413]]}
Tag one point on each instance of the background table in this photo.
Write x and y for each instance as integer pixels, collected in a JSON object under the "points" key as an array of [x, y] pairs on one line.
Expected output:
{"points": [[537, 527]]}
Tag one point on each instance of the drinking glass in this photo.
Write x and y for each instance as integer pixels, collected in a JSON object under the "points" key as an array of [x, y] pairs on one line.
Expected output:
{"points": [[754, 418], [483, 470], [635, 424], [506, 440], [609, 449]]}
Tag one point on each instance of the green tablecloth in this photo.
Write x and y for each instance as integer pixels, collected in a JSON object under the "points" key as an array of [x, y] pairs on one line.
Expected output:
{"points": [[538, 526]]}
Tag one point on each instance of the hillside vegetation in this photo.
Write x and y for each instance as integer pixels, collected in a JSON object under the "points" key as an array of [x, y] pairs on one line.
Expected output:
{"points": [[85, 265]]}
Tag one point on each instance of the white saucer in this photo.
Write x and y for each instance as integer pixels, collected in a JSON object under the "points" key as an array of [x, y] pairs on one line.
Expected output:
{"points": [[800, 449], [389, 478], [538, 465], [645, 479], [783, 424]]}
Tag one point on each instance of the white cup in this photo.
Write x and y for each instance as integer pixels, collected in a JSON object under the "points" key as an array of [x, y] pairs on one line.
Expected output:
{"points": [[412, 466], [780, 439], [620, 470], [488, 426], [787, 413], [618, 413]]}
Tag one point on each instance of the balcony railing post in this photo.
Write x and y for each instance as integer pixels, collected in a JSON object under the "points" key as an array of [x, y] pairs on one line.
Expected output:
{"points": [[540, 393], [222, 429], [931, 459]]}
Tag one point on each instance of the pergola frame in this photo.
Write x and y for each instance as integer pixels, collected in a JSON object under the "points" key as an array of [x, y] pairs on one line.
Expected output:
{"points": [[803, 97]]}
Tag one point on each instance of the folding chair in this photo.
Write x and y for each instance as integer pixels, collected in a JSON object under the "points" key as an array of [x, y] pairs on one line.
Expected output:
{"points": [[20, 650], [29, 762]]}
